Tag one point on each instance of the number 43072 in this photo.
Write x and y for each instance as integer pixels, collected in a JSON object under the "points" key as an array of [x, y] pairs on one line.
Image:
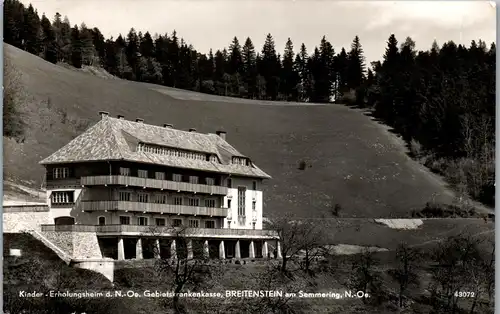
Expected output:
{"points": [[465, 294]]}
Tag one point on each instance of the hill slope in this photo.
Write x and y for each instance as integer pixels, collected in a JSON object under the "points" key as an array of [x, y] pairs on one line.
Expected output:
{"points": [[352, 161]]}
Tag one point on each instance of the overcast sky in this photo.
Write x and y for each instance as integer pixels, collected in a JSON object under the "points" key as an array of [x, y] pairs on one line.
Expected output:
{"points": [[212, 23]]}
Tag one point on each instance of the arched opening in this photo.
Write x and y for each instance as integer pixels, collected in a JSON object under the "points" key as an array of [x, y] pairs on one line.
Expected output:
{"points": [[64, 220], [101, 220]]}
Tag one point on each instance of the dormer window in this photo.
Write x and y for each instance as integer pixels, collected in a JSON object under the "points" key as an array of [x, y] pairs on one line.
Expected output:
{"points": [[240, 161]]}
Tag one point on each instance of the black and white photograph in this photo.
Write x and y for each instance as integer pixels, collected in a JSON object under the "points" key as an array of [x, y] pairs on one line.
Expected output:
{"points": [[216, 156]]}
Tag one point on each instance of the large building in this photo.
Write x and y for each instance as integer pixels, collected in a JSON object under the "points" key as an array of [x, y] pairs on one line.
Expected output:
{"points": [[134, 184]]}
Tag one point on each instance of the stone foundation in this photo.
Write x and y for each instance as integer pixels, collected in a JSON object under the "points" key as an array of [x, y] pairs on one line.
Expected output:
{"points": [[78, 245]]}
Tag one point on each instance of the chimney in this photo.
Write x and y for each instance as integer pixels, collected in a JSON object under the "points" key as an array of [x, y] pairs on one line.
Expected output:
{"points": [[192, 130], [222, 134], [139, 120], [168, 125], [103, 114], [120, 117]]}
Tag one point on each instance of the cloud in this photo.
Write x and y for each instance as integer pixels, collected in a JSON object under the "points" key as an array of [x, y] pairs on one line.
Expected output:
{"points": [[445, 14]]}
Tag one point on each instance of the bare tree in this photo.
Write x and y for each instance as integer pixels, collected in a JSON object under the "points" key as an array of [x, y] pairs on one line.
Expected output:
{"points": [[364, 276], [295, 236], [456, 260], [406, 273], [187, 267]]}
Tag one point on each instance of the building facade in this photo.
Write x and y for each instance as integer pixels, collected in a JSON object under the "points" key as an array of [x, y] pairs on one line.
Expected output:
{"points": [[132, 183]]}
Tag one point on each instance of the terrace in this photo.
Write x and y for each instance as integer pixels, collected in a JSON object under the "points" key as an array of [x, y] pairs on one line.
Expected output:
{"points": [[153, 183], [163, 231], [127, 206]]}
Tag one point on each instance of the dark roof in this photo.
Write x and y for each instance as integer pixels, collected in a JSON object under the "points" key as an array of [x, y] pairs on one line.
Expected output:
{"points": [[117, 139]]}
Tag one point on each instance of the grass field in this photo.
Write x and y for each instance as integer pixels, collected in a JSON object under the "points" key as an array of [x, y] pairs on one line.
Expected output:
{"points": [[351, 160]]}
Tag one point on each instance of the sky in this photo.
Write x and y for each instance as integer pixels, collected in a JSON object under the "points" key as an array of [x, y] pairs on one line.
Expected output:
{"points": [[213, 23]]}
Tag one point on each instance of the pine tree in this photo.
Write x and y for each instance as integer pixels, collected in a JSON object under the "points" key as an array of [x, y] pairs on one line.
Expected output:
{"points": [[14, 14], [89, 54], [289, 75], [99, 45], [76, 50], [146, 46], [48, 40], [249, 59], [132, 53], [235, 64], [341, 74], [355, 65], [31, 31], [269, 67]]}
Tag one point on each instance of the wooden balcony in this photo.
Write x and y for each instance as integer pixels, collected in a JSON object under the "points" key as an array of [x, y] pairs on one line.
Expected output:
{"points": [[160, 231], [90, 206], [154, 183]]}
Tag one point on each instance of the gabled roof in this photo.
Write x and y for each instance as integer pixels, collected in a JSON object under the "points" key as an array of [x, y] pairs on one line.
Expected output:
{"points": [[117, 139]]}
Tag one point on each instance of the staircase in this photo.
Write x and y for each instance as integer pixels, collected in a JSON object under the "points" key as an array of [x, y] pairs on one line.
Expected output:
{"points": [[62, 255]]}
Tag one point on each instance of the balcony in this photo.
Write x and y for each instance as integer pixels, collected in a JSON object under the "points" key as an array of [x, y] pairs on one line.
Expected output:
{"points": [[90, 206], [154, 183], [108, 230]]}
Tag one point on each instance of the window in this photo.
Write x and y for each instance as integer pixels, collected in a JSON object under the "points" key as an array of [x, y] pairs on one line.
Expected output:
{"points": [[101, 221], [193, 179], [61, 173], [241, 200], [229, 183], [210, 203], [142, 221], [142, 173], [124, 220], [193, 201], [210, 181], [124, 196], [253, 225], [240, 161], [160, 199], [160, 175], [63, 197], [210, 224], [228, 203], [254, 185], [160, 221], [194, 223], [253, 205], [124, 171], [142, 197], [177, 177], [177, 200], [177, 222]]}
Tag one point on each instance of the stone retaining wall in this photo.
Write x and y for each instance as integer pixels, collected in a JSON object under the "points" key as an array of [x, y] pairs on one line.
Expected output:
{"points": [[19, 221], [78, 245]]}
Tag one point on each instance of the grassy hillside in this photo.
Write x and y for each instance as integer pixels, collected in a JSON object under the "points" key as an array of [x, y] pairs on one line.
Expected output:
{"points": [[351, 160]]}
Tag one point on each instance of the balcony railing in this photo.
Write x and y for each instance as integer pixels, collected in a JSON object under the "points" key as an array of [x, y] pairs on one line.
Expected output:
{"points": [[161, 231], [154, 183], [152, 208]]}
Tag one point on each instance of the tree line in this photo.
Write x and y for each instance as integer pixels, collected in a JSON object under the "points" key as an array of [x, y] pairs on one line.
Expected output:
{"points": [[441, 100], [239, 71]]}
